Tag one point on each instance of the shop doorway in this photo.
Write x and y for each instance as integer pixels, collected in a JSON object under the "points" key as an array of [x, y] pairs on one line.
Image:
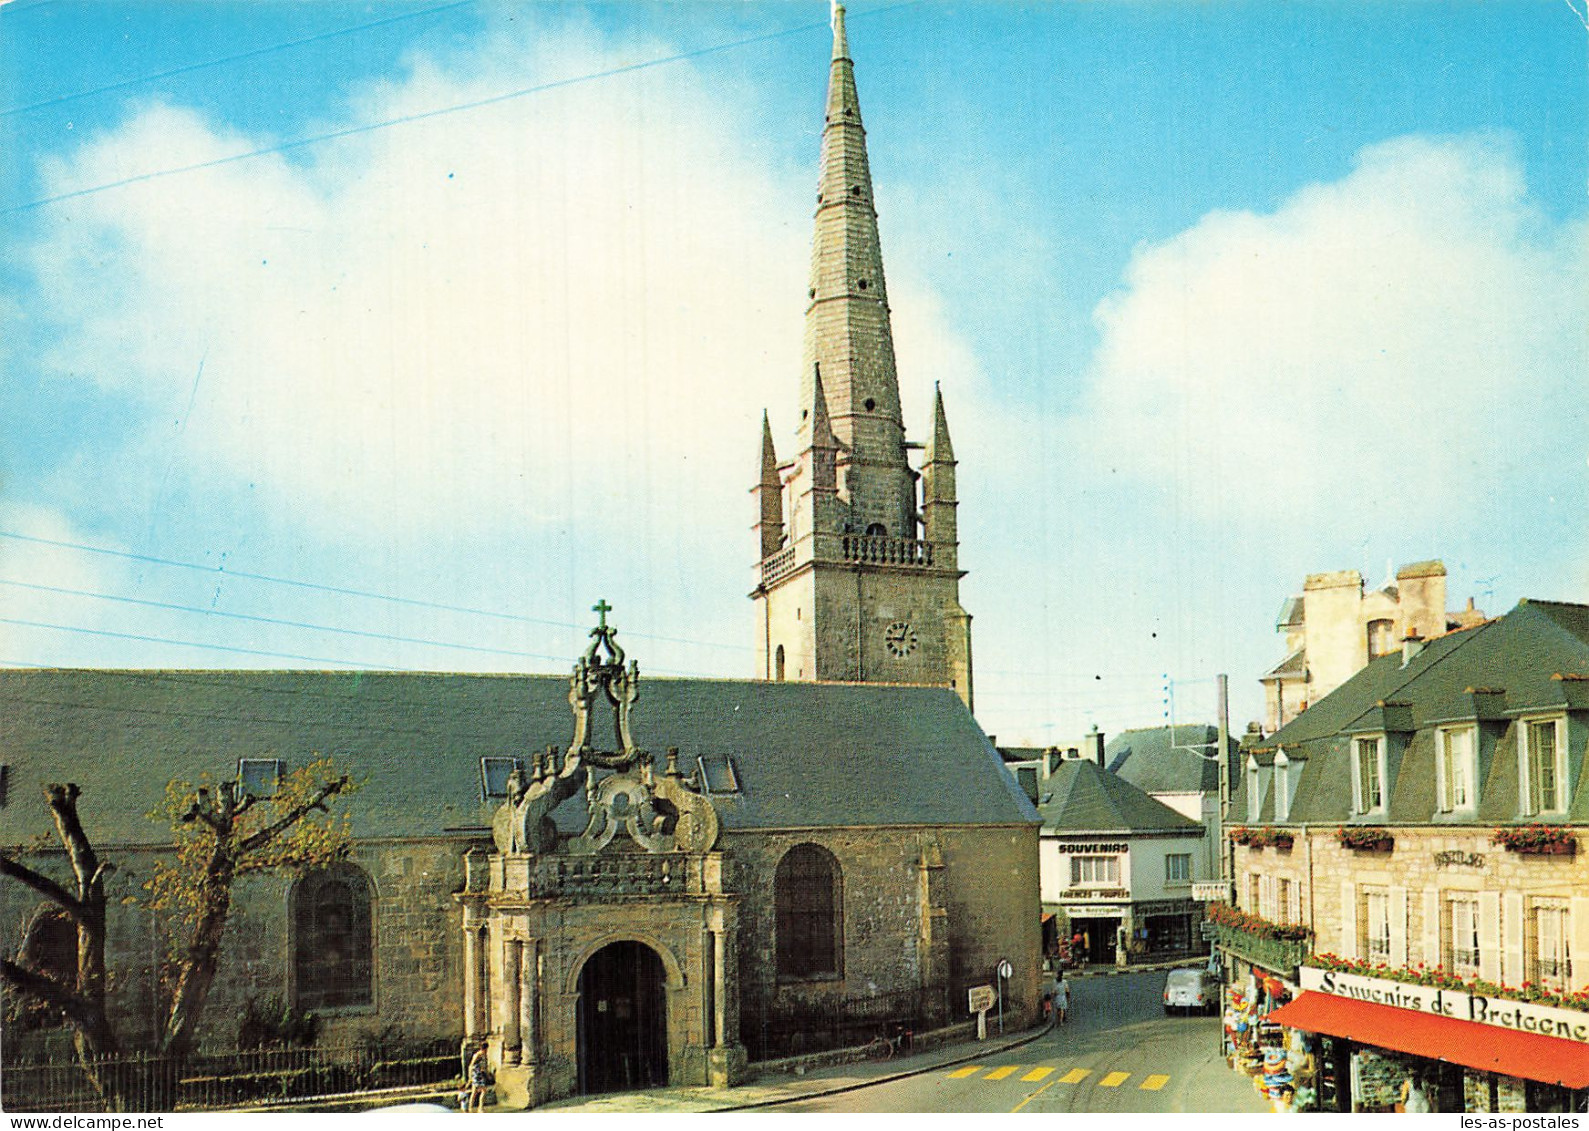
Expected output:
{"points": [[1096, 944], [623, 1020]]}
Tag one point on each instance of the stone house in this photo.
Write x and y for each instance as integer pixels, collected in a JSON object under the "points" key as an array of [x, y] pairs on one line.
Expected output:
{"points": [[1426, 815], [1333, 628]]}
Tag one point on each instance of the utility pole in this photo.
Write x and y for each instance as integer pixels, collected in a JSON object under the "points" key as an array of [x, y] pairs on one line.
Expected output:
{"points": [[1224, 777]]}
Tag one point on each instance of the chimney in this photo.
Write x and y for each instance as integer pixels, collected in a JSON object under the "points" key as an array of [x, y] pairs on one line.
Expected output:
{"points": [[1411, 646], [1095, 746]]}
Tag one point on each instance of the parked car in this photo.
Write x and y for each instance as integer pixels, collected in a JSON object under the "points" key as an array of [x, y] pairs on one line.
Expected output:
{"points": [[1189, 989]]}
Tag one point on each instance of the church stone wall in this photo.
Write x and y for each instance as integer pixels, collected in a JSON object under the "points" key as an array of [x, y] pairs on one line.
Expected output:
{"points": [[983, 907], [417, 939]]}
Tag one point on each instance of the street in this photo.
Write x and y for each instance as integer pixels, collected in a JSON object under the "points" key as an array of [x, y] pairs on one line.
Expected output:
{"points": [[1117, 1053]]}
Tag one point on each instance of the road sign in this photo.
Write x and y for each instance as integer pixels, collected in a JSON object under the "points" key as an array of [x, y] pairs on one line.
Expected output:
{"points": [[1208, 930], [1211, 892], [1005, 969], [980, 998]]}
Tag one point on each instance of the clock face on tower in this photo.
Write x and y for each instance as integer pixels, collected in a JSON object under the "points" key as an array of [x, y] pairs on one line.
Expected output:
{"points": [[900, 638]]}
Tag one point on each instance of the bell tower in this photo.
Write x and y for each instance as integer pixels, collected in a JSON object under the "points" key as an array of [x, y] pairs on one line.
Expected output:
{"points": [[859, 577]]}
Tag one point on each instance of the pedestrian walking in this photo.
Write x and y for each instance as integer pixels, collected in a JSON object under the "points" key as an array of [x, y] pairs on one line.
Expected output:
{"points": [[1061, 998], [479, 1075]]}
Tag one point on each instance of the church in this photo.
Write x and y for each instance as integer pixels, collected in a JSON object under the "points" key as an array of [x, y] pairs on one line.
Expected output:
{"points": [[614, 882]]}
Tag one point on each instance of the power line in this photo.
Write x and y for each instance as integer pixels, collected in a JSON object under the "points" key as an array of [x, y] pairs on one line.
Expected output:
{"points": [[186, 643], [254, 54], [405, 119], [272, 620], [423, 115], [342, 591]]}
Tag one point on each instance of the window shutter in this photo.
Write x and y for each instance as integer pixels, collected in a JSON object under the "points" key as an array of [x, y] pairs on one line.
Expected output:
{"points": [[1578, 941], [1348, 920], [1431, 927], [1512, 939], [1490, 935], [1398, 926]]}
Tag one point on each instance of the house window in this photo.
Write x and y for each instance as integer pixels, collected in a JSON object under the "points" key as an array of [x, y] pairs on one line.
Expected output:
{"points": [[1178, 868], [1381, 638], [1462, 936], [1455, 769], [1288, 891], [1094, 870], [1254, 890], [1282, 785], [1544, 766], [333, 939], [778, 665], [1266, 897], [1376, 926], [809, 893], [1548, 966], [1254, 798], [1368, 776]]}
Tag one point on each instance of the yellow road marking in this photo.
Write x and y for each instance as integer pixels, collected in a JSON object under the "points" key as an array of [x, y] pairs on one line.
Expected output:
{"points": [[962, 1073], [1114, 1079], [1075, 1076], [1154, 1083], [1036, 1074], [1001, 1073], [1033, 1096]]}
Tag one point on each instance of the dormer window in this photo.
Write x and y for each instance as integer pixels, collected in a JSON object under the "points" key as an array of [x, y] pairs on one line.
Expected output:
{"points": [[1254, 797], [714, 774], [259, 776], [1368, 774], [494, 774], [1542, 766], [1282, 785], [1456, 769]]}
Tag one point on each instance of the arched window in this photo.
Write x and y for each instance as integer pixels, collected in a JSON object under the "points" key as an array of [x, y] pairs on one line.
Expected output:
{"points": [[876, 530], [809, 891], [49, 947], [1381, 638], [333, 940], [778, 664]]}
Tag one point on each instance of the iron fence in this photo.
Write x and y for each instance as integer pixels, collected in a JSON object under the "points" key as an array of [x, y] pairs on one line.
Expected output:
{"points": [[822, 1025], [225, 1081]]}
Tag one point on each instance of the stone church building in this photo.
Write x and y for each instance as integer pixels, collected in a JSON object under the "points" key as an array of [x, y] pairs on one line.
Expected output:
{"points": [[616, 883]]}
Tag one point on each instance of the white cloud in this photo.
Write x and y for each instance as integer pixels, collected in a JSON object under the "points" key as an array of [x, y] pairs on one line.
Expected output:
{"points": [[40, 579], [452, 321], [1408, 340]]}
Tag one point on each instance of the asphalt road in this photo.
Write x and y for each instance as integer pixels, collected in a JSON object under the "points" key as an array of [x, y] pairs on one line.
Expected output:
{"points": [[1117, 1053]]}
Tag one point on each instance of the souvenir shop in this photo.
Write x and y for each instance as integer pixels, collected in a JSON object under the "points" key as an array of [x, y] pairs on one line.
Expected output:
{"points": [[1336, 1041]]}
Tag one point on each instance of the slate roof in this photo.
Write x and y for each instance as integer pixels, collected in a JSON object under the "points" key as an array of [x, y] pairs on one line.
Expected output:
{"points": [[805, 755], [1147, 759], [1294, 666], [1492, 672], [1085, 797]]}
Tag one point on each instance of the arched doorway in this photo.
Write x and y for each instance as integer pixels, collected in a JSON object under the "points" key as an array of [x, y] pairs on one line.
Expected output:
{"points": [[623, 1020]]}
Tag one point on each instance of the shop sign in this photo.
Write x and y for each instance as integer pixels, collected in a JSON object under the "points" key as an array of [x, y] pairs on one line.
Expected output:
{"points": [[1211, 893], [1164, 907], [1523, 1016], [1093, 912], [1082, 846]]}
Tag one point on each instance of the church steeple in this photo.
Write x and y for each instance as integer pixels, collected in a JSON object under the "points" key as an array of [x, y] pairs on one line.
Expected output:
{"points": [[862, 582], [847, 333]]}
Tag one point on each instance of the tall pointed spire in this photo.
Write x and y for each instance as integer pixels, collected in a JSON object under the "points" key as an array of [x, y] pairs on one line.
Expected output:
{"points": [[769, 494], [848, 335], [939, 500]]}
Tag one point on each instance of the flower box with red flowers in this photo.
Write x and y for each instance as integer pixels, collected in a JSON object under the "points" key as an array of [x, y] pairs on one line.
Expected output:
{"points": [[1262, 837], [1361, 838], [1537, 840]]}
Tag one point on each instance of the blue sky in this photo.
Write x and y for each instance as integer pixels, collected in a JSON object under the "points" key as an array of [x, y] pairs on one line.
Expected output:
{"points": [[1218, 295]]}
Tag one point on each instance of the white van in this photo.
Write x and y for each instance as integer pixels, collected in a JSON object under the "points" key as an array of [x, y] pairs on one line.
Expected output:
{"points": [[1189, 989]]}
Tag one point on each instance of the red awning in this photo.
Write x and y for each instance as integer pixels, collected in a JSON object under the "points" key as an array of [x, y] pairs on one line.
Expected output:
{"points": [[1488, 1048]]}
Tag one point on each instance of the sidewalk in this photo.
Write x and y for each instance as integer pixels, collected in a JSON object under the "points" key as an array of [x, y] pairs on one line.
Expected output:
{"points": [[780, 1087]]}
